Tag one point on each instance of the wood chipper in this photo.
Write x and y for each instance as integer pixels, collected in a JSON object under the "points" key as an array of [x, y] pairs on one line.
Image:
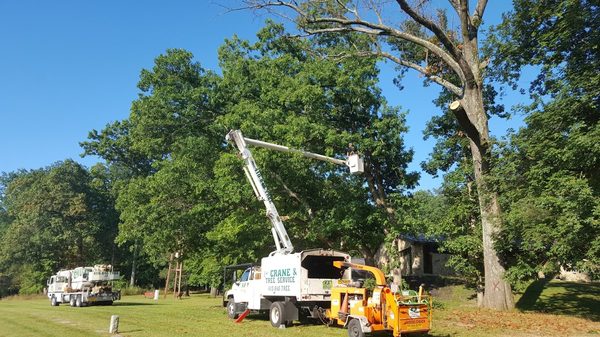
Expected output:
{"points": [[363, 311]]}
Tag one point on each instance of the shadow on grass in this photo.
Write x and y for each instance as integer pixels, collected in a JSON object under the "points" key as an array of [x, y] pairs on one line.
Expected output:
{"points": [[562, 298], [532, 294]]}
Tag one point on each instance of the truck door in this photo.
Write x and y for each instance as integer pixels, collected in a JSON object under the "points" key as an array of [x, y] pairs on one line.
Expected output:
{"points": [[243, 286], [255, 289], [51, 287]]}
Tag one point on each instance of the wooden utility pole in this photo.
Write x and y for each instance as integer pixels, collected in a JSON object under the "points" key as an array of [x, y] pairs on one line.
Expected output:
{"points": [[168, 276]]}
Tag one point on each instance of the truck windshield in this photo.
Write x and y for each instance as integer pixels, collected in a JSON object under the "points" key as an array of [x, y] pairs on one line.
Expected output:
{"points": [[245, 275]]}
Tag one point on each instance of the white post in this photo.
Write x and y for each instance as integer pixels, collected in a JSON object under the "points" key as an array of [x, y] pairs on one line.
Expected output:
{"points": [[114, 324], [156, 294]]}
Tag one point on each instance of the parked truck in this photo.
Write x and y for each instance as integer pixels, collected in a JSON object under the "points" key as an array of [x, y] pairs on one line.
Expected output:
{"points": [[317, 283], [288, 284], [84, 286]]}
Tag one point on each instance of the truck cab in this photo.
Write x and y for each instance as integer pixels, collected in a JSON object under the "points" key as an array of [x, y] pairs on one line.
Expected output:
{"points": [[245, 292], [58, 283]]}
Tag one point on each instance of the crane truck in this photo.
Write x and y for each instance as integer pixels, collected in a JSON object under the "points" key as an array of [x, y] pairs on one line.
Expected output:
{"points": [[83, 286], [286, 282], [317, 283]]}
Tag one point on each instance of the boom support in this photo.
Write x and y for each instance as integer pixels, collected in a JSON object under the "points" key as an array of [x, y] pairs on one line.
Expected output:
{"points": [[280, 236]]}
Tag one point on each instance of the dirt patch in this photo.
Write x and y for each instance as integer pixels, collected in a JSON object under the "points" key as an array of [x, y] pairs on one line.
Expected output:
{"points": [[522, 324]]}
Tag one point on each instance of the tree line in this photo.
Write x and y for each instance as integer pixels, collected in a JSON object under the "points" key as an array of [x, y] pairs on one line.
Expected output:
{"points": [[518, 205]]}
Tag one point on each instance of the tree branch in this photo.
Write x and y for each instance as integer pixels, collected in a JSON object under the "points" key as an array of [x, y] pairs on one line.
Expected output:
{"points": [[435, 29], [464, 121], [437, 79], [454, 4], [478, 14], [451, 55], [377, 29], [465, 26], [295, 196]]}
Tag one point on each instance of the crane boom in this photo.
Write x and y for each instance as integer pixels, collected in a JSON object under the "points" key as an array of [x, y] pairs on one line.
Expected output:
{"points": [[280, 235]]}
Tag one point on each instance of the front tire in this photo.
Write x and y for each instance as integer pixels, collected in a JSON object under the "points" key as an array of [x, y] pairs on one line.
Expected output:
{"points": [[277, 314], [53, 301], [354, 328], [231, 312]]}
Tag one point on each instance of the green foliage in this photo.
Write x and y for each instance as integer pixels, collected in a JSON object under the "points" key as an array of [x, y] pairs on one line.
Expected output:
{"points": [[451, 217], [58, 218], [549, 169], [31, 280], [178, 188]]}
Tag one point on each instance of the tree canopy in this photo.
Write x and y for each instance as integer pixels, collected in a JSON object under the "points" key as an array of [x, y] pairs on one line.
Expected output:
{"points": [[169, 182]]}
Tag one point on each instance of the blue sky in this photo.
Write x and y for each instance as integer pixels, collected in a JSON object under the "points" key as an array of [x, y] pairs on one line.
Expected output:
{"points": [[67, 67]]}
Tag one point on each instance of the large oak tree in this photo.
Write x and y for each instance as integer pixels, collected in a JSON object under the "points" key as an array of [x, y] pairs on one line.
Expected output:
{"points": [[415, 39]]}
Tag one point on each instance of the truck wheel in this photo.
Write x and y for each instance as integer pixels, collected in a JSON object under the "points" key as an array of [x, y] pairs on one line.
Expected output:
{"points": [[78, 301], [277, 314], [53, 301], [354, 328], [231, 309], [72, 301]]}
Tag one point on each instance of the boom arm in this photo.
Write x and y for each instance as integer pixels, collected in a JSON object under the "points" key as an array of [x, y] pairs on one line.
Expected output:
{"points": [[280, 236]]}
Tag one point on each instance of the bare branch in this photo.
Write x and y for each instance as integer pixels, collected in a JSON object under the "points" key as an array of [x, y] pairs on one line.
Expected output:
{"points": [[343, 24], [465, 20], [353, 11], [377, 29], [454, 4], [377, 11], [437, 79], [465, 26], [478, 14], [435, 29]]}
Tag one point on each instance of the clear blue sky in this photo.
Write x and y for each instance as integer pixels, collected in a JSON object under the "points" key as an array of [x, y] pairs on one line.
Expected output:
{"points": [[67, 67]]}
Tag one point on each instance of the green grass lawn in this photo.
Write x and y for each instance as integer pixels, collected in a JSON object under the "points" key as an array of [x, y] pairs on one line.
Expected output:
{"points": [[563, 298], [558, 309], [198, 315]]}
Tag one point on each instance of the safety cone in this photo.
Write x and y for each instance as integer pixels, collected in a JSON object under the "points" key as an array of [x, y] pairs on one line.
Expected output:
{"points": [[343, 313], [242, 316]]}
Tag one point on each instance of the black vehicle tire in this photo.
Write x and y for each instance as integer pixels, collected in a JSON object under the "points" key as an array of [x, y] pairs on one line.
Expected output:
{"points": [[354, 328], [277, 314], [53, 301], [78, 301], [231, 312], [72, 301]]}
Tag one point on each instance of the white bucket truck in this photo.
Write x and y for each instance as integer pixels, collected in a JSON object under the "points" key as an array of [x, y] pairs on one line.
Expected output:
{"points": [[83, 286], [289, 285]]}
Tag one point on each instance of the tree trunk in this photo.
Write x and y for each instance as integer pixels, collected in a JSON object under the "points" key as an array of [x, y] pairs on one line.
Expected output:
{"points": [[497, 294], [214, 291], [132, 278]]}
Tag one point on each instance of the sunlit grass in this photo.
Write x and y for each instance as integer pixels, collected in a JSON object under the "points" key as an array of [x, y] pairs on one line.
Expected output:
{"points": [[549, 315]]}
